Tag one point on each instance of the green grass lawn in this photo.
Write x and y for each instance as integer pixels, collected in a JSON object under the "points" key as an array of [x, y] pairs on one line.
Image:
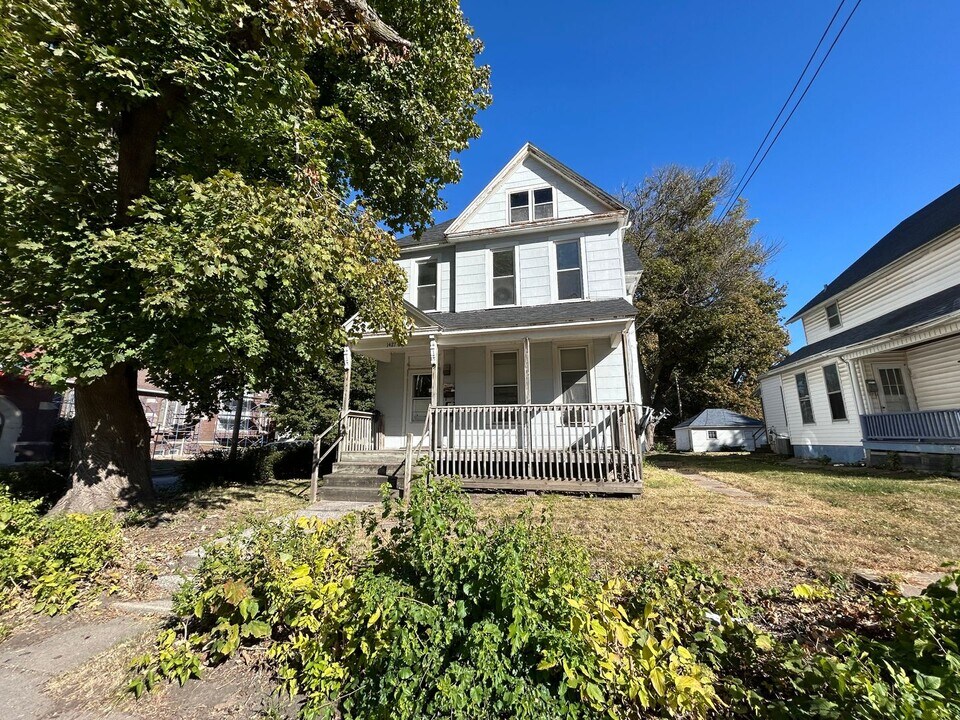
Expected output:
{"points": [[820, 519]]}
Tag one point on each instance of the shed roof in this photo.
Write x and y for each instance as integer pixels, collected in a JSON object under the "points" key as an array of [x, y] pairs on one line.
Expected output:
{"points": [[928, 223], [945, 302], [719, 418]]}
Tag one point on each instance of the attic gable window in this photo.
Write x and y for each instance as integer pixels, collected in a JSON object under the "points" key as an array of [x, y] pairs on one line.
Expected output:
{"points": [[833, 315], [541, 200]]}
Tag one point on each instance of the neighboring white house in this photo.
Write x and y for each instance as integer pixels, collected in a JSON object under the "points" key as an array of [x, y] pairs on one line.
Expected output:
{"points": [[880, 372], [522, 368], [716, 429]]}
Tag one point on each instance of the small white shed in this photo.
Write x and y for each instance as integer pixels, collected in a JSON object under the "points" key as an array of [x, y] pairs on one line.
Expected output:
{"points": [[715, 429]]}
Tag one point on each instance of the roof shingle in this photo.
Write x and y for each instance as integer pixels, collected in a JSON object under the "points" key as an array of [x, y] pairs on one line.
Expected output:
{"points": [[522, 316], [719, 418]]}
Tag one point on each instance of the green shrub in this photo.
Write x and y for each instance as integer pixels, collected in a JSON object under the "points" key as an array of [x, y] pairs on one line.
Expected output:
{"points": [[54, 561], [253, 466], [46, 482]]}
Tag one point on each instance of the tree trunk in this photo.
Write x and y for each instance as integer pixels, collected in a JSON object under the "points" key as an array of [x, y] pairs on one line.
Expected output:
{"points": [[110, 445], [649, 432]]}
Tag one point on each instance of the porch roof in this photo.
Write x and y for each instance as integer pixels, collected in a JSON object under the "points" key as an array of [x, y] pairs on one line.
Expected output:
{"points": [[946, 302], [530, 315]]}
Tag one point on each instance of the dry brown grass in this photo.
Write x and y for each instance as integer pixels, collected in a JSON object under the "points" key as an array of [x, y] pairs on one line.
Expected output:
{"points": [[824, 519]]}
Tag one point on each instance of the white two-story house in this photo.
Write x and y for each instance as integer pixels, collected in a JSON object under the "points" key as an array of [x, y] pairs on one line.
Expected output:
{"points": [[879, 376], [522, 368]]}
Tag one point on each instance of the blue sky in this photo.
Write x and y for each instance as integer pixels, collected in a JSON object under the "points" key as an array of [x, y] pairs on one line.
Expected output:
{"points": [[616, 89]]}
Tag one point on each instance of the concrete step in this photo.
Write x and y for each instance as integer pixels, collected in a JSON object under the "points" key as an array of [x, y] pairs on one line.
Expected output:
{"points": [[352, 494], [357, 467], [370, 480], [384, 457]]}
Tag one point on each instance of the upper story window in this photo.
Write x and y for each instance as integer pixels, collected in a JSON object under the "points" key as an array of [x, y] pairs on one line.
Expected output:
{"points": [[834, 392], [806, 404], [504, 277], [569, 275], [833, 315], [427, 285], [540, 200]]}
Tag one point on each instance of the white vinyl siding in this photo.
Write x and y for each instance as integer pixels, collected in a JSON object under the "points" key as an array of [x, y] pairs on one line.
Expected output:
{"points": [[824, 431], [934, 370], [533, 273], [569, 200], [926, 271], [472, 273]]}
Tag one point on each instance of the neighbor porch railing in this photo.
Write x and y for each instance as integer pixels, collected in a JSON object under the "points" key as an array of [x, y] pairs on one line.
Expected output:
{"points": [[588, 443], [930, 426]]}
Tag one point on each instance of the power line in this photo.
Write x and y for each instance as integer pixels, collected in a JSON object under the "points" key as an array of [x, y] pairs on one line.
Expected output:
{"points": [[737, 188], [742, 185]]}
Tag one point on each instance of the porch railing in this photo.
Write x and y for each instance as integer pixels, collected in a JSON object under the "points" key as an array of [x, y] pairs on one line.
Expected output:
{"points": [[932, 426], [595, 443], [361, 432]]}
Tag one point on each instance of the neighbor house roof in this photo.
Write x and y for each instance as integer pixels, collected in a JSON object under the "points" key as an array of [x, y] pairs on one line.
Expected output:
{"points": [[929, 308], [529, 315], [431, 236], [719, 418], [926, 224]]}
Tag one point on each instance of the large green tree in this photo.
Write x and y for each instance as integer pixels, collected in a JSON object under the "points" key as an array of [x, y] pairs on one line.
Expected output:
{"points": [[198, 187], [708, 312]]}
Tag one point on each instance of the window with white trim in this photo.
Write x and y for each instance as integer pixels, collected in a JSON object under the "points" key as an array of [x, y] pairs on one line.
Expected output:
{"points": [[506, 384], [574, 375], [831, 375], [833, 315], [539, 200], [427, 285], [504, 277], [806, 404], [569, 274]]}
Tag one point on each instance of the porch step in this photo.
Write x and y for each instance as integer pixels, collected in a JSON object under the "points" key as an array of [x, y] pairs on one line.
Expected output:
{"points": [[384, 457], [364, 467], [367, 480], [353, 494]]}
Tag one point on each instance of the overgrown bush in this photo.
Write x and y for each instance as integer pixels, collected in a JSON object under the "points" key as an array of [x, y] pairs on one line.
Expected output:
{"points": [[55, 562], [46, 482], [253, 466], [442, 617]]}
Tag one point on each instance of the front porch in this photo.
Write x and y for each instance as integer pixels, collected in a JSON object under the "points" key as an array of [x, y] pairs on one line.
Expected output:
{"points": [[911, 403], [528, 408]]}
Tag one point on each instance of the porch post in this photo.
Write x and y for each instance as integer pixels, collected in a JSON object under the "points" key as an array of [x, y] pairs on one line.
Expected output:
{"points": [[434, 372], [627, 365], [345, 405], [527, 393]]}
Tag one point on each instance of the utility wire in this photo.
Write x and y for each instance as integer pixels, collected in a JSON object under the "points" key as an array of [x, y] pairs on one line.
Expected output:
{"points": [[813, 55], [742, 185]]}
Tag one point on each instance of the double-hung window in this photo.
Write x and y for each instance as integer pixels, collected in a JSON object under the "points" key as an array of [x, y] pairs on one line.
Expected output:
{"points": [[834, 392], [569, 274], [504, 277], [806, 404], [833, 315], [427, 286], [539, 200], [574, 384], [506, 386]]}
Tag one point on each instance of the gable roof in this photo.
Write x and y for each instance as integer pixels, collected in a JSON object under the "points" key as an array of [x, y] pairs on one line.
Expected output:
{"points": [[531, 150], [927, 224], [719, 418], [530, 315], [945, 302]]}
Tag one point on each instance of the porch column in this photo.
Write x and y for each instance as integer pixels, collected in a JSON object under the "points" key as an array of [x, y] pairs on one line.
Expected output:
{"points": [[527, 393], [434, 372], [627, 365], [345, 405]]}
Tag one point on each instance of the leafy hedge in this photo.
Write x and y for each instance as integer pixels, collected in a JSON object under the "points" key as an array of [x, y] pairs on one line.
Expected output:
{"points": [[253, 466], [55, 562], [442, 617]]}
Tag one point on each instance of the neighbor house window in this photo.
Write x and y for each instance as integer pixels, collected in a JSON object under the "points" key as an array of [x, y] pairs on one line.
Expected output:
{"points": [[833, 315], [806, 405], [834, 392], [712, 434], [521, 201], [569, 276], [504, 277], [506, 388], [520, 207], [543, 204], [427, 286]]}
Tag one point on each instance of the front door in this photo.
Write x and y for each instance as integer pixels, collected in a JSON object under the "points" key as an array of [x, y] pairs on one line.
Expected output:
{"points": [[893, 389], [419, 393]]}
